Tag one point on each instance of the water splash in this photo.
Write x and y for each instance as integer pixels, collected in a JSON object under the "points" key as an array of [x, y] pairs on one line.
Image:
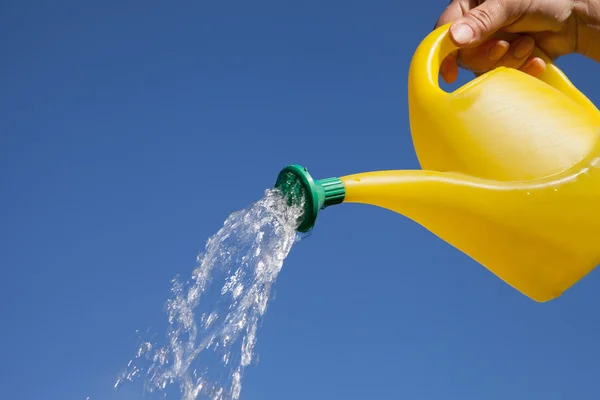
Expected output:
{"points": [[213, 317]]}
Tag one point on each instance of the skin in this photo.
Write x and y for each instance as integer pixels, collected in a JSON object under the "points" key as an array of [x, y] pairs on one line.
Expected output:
{"points": [[494, 33]]}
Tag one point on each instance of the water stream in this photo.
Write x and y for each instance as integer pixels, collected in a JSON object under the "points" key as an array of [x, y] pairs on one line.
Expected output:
{"points": [[213, 317]]}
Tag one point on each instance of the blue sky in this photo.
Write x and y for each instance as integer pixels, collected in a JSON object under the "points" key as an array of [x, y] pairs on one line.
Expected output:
{"points": [[130, 130]]}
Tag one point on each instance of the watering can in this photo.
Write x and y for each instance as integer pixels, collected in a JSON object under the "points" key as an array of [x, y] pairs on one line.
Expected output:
{"points": [[511, 172]]}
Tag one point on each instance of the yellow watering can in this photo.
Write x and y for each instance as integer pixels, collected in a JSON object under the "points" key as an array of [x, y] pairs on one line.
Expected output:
{"points": [[511, 172]]}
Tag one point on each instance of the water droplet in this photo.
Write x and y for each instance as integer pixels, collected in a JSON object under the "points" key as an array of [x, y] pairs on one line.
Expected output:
{"points": [[220, 308]]}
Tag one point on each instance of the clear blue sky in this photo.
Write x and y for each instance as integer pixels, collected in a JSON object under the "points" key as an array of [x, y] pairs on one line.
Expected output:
{"points": [[129, 131]]}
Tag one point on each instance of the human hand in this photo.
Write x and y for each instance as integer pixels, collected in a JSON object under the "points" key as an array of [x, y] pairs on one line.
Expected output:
{"points": [[496, 33]]}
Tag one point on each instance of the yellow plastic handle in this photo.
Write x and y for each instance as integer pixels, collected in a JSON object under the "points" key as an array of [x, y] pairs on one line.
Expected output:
{"points": [[427, 60]]}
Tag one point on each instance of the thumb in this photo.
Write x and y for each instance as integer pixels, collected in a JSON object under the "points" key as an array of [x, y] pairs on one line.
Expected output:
{"points": [[481, 22]]}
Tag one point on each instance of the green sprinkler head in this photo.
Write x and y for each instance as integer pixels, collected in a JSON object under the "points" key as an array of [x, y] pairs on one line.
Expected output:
{"points": [[298, 186]]}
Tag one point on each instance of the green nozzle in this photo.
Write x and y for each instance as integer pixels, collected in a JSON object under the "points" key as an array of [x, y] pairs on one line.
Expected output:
{"points": [[297, 185]]}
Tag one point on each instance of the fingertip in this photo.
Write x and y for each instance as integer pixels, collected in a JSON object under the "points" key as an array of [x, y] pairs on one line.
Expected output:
{"points": [[534, 66], [498, 49], [461, 33], [449, 70], [523, 47]]}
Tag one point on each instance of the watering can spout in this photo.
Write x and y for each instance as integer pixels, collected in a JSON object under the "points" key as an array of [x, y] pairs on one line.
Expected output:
{"points": [[299, 189]]}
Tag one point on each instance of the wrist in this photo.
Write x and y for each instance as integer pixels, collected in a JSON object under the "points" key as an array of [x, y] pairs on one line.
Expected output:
{"points": [[587, 15]]}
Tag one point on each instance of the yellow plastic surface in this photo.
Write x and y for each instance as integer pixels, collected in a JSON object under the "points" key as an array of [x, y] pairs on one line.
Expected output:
{"points": [[514, 172], [503, 125]]}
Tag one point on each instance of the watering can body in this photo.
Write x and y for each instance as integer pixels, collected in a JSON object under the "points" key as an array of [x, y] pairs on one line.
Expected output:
{"points": [[511, 172]]}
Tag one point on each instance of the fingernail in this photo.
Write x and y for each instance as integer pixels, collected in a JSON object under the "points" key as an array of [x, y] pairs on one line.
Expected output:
{"points": [[524, 47], [498, 50], [462, 34], [448, 70]]}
